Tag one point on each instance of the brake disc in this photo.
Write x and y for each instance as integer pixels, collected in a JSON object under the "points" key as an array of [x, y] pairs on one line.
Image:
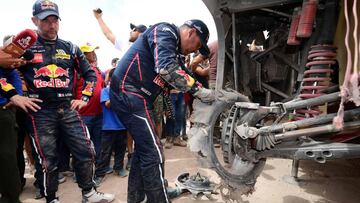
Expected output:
{"points": [[227, 135], [197, 185]]}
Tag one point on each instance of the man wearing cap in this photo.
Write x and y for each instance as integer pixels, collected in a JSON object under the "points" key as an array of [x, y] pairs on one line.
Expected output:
{"points": [[92, 112], [151, 64], [49, 77]]}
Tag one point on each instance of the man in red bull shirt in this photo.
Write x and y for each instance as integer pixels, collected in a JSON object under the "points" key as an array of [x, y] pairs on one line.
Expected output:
{"points": [[49, 77]]}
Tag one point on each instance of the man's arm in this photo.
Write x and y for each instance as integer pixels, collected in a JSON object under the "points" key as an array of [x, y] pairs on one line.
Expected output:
{"points": [[104, 28], [196, 61], [164, 42], [8, 61], [8, 91]]}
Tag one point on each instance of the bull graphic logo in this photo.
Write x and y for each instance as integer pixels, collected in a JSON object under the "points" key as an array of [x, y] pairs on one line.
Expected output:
{"points": [[51, 71], [88, 91], [47, 5], [5, 86]]}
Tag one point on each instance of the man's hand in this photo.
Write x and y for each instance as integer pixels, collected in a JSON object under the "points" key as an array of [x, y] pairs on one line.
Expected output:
{"points": [[26, 103], [97, 13], [8, 61], [77, 104], [205, 95]]}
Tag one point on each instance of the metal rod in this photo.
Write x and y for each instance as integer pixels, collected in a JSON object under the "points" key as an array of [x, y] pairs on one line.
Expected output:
{"points": [[234, 40], [291, 105], [276, 12], [267, 51], [272, 89], [315, 131], [348, 116], [283, 58], [267, 98], [295, 168]]}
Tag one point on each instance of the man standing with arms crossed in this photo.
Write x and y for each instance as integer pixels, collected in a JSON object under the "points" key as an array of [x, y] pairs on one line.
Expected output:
{"points": [[49, 77]]}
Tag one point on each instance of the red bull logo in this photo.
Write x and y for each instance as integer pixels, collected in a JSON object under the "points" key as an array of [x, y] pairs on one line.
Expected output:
{"points": [[51, 71], [89, 88], [189, 80], [5, 86]]}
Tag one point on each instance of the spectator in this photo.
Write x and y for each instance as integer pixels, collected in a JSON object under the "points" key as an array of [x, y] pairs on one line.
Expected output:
{"points": [[120, 44], [213, 47], [10, 91], [174, 127], [92, 112], [49, 77], [136, 84], [114, 136], [114, 63]]}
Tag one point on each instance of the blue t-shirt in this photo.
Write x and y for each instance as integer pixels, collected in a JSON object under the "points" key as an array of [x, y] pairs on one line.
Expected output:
{"points": [[110, 119]]}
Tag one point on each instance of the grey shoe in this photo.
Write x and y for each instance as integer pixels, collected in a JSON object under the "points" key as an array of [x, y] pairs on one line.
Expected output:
{"points": [[109, 170], [61, 178], [169, 142], [122, 172], [173, 192], [179, 142], [55, 201], [38, 194], [98, 180], [97, 197]]}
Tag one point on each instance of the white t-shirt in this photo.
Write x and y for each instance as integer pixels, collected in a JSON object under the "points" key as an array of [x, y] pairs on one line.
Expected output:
{"points": [[122, 45]]}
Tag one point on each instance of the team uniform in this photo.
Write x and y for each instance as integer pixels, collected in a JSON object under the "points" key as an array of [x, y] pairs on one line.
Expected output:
{"points": [[151, 64], [49, 77]]}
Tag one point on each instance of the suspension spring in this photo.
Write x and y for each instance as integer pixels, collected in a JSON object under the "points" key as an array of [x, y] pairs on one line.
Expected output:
{"points": [[316, 77]]}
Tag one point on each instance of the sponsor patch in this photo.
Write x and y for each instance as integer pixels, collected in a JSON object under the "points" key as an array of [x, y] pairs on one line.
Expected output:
{"points": [[61, 54], [38, 58], [5, 86]]}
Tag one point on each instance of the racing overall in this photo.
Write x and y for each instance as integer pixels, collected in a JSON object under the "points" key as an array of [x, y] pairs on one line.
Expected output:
{"points": [[134, 86], [49, 77]]}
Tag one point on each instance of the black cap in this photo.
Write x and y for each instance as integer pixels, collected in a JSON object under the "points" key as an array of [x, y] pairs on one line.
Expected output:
{"points": [[203, 33], [139, 28], [44, 8]]}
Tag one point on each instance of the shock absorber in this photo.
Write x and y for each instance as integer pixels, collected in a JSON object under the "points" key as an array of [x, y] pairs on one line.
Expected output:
{"points": [[307, 18], [292, 39], [316, 77]]}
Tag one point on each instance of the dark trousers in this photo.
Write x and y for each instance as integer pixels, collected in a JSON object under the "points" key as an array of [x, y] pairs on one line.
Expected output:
{"points": [[146, 174], [10, 186], [112, 139], [21, 120], [94, 125], [47, 125], [174, 128]]}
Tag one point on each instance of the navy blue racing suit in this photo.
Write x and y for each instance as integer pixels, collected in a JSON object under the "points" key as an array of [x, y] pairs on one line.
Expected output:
{"points": [[134, 86], [49, 77]]}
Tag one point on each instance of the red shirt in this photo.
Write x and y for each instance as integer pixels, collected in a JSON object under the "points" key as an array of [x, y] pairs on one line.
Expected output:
{"points": [[93, 107]]}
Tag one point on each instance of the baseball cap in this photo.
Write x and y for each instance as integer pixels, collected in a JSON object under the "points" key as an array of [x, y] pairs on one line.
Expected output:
{"points": [[139, 28], [86, 48], [203, 33], [44, 8]]}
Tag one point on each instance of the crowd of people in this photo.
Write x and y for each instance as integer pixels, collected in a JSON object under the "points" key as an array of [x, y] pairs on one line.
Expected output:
{"points": [[72, 117]]}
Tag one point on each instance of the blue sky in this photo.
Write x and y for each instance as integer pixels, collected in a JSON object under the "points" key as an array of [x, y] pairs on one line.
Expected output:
{"points": [[79, 25]]}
